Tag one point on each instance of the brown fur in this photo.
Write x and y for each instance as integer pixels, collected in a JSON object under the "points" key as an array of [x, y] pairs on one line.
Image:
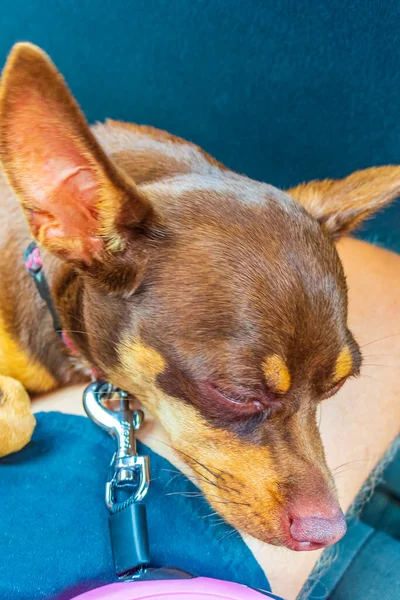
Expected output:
{"points": [[179, 279]]}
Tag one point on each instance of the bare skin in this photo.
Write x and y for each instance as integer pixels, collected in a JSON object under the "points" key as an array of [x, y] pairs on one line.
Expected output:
{"points": [[357, 425]]}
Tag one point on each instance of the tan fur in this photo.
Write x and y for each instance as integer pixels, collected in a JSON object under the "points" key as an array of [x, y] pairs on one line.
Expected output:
{"points": [[16, 363], [217, 458], [343, 365], [16, 420], [276, 374], [343, 203]]}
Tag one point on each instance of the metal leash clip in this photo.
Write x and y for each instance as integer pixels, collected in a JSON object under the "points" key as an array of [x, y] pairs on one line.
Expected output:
{"points": [[128, 480], [128, 471]]}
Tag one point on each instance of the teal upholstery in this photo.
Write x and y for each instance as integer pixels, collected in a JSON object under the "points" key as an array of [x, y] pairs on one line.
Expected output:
{"points": [[282, 91], [382, 511]]}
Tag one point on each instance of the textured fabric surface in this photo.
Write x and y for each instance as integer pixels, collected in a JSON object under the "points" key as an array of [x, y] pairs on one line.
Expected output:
{"points": [[366, 567], [382, 511], [374, 574], [54, 531], [282, 91]]}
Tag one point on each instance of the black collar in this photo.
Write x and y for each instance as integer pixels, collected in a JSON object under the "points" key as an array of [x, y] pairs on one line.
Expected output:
{"points": [[34, 266]]}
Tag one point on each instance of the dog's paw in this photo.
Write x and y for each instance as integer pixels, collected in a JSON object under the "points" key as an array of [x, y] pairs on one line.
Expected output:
{"points": [[16, 419]]}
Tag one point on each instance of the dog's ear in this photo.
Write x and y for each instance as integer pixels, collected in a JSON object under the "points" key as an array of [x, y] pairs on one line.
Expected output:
{"points": [[78, 204], [340, 205]]}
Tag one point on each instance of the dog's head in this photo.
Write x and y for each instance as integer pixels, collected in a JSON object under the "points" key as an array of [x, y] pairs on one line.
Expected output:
{"points": [[218, 301]]}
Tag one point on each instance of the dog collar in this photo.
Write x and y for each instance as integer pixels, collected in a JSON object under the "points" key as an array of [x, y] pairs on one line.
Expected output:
{"points": [[34, 266]]}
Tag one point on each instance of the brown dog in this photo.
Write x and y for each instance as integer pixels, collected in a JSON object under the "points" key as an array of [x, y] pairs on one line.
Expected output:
{"points": [[218, 301]]}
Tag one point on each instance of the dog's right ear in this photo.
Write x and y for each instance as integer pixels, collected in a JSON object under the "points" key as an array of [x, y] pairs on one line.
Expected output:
{"points": [[341, 204], [78, 204]]}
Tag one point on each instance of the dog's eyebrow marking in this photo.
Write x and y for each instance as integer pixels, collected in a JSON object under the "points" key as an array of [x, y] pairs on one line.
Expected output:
{"points": [[344, 364], [145, 359], [276, 373]]}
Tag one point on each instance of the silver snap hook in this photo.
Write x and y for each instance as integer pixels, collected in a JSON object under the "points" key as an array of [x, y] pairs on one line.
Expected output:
{"points": [[127, 470]]}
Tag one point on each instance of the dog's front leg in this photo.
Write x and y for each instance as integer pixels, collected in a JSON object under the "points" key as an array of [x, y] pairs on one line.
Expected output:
{"points": [[16, 419]]}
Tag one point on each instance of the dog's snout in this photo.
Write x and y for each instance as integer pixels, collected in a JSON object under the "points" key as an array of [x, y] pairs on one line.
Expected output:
{"points": [[313, 516], [310, 531]]}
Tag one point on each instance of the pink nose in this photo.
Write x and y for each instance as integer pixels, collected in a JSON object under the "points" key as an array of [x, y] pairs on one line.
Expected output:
{"points": [[311, 531]]}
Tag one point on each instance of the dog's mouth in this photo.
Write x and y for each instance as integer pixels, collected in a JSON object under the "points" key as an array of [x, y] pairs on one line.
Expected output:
{"points": [[304, 546]]}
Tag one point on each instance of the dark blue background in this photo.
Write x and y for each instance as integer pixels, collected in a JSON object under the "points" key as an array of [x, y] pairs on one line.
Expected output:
{"points": [[282, 91]]}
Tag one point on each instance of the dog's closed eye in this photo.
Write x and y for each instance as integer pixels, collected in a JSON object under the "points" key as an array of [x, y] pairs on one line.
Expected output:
{"points": [[242, 402]]}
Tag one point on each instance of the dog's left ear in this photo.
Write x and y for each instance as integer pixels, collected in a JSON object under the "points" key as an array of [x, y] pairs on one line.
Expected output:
{"points": [[78, 204], [341, 204]]}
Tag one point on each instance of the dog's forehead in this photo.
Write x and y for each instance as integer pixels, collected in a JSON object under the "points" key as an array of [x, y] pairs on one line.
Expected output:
{"points": [[238, 215], [231, 231], [247, 267], [244, 270], [199, 194]]}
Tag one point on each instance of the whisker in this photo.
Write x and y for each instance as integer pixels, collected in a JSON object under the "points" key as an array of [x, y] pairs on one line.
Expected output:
{"points": [[212, 514], [98, 336], [225, 487], [374, 365], [218, 523], [209, 470], [171, 470], [172, 479], [320, 417], [186, 494], [192, 478], [229, 534], [350, 462], [201, 476], [380, 340]]}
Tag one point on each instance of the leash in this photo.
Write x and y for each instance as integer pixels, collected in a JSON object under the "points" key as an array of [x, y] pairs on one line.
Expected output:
{"points": [[128, 479]]}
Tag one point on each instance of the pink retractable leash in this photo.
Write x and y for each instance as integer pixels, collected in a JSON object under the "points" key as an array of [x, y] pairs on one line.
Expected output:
{"points": [[127, 485], [198, 588]]}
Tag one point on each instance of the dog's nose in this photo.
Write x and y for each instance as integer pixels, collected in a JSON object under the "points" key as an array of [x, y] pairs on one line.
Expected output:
{"points": [[311, 530]]}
